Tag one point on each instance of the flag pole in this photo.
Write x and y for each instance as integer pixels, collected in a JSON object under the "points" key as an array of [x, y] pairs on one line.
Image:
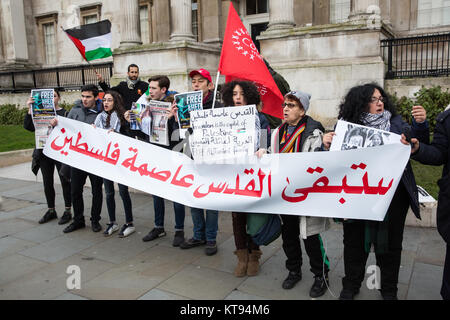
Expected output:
{"points": [[215, 89]]}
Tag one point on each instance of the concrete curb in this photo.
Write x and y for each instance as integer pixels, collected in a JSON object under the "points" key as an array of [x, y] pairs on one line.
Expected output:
{"points": [[15, 157]]}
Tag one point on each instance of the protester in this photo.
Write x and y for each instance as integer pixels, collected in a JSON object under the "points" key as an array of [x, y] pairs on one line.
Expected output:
{"points": [[130, 90], [112, 118], [369, 105], [438, 153], [241, 93], [205, 224], [85, 110], [301, 133], [47, 166], [159, 90]]}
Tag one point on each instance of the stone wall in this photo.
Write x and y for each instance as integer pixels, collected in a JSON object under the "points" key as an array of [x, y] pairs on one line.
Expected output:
{"points": [[20, 99], [407, 87]]}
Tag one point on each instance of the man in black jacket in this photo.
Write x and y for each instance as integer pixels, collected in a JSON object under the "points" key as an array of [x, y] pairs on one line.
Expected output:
{"points": [[438, 153]]}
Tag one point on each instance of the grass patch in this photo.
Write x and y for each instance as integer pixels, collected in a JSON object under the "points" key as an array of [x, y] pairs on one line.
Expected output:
{"points": [[427, 177], [15, 137]]}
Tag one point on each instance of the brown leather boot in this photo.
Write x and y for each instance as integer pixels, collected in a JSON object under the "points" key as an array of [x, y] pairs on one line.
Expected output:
{"points": [[253, 262], [241, 268]]}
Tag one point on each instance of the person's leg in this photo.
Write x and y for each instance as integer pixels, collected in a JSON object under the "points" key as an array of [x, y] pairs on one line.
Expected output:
{"points": [[290, 232], [198, 219], [97, 197], [47, 169], [317, 256], [127, 205], [180, 214], [110, 201], [355, 256], [159, 208], [65, 184], [211, 225], [445, 289], [77, 181], [389, 262], [240, 239]]}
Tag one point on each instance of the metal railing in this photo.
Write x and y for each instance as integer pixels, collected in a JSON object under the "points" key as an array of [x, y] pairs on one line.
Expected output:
{"points": [[418, 56], [63, 78]]}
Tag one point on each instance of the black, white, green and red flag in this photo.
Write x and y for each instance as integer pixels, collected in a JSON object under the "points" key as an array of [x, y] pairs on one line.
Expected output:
{"points": [[92, 40]]}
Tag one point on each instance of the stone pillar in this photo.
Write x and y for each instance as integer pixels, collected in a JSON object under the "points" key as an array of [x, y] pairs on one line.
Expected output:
{"points": [[181, 12], [366, 12], [129, 30], [14, 36], [281, 14]]}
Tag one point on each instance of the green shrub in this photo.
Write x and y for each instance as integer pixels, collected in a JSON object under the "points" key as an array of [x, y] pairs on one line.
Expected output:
{"points": [[433, 99], [11, 115]]}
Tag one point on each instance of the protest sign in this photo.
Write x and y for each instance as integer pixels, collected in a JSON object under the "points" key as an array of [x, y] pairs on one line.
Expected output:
{"points": [[42, 112], [353, 136], [187, 102], [157, 128], [223, 133], [352, 184]]}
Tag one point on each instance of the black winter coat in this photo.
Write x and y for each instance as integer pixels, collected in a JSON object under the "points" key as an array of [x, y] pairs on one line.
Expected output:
{"points": [[129, 95], [438, 153]]}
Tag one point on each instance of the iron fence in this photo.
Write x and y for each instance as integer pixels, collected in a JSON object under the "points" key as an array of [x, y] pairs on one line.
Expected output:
{"points": [[418, 56], [63, 78]]}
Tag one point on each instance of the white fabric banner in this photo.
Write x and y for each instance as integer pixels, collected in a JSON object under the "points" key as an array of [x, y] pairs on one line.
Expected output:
{"points": [[354, 184]]}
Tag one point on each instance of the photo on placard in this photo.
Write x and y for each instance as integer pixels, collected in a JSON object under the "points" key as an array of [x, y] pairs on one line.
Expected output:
{"points": [[354, 138]]}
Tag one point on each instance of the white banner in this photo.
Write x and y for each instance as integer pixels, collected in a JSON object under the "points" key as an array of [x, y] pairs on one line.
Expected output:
{"points": [[343, 184]]}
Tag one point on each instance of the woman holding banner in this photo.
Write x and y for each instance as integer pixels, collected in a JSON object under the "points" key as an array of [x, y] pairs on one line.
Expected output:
{"points": [[47, 166], [242, 93], [369, 105], [112, 118]]}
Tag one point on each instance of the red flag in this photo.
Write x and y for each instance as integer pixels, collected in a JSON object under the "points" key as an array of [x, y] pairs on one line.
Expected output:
{"points": [[240, 59]]}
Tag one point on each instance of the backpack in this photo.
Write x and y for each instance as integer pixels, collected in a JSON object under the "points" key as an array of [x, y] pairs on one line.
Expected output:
{"points": [[263, 228]]}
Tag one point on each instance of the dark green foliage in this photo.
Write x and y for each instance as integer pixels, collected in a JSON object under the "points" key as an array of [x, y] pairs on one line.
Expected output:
{"points": [[11, 115]]}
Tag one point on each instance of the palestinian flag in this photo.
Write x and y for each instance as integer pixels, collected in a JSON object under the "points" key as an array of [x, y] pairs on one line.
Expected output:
{"points": [[92, 40]]}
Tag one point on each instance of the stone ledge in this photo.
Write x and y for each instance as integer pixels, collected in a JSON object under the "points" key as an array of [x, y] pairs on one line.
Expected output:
{"points": [[15, 157], [427, 213]]}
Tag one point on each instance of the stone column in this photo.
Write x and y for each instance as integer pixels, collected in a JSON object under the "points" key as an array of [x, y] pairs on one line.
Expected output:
{"points": [[13, 30], [281, 14], [366, 12], [129, 30], [181, 21]]}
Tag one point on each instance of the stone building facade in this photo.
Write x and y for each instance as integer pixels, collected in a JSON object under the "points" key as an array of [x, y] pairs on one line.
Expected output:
{"points": [[320, 46]]}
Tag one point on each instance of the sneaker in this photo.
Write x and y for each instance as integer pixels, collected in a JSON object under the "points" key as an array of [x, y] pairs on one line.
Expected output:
{"points": [[291, 280], [66, 217], [211, 248], [154, 234], [348, 294], [319, 286], [96, 226], [110, 229], [48, 216], [191, 243], [74, 226], [178, 239], [126, 230]]}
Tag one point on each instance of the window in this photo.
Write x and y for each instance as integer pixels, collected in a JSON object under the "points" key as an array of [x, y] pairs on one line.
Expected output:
{"points": [[256, 7], [433, 13], [144, 17], [90, 14], [47, 27], [49, 42], [339, 10], [196, 19]]}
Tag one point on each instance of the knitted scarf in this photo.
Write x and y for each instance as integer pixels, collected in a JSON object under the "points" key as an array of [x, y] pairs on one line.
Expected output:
{"points": [[102, 121], [378, 121], [291, 142], [132, 83]]}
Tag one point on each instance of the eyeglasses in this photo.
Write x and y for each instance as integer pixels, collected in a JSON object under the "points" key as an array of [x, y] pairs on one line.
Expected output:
{"points": [[376, 100], [289, 105]]}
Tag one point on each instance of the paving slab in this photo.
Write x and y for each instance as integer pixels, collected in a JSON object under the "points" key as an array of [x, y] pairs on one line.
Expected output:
{"points": [[157, 294], [10, 245], [425, 282], [16, 266], [11, 226]]}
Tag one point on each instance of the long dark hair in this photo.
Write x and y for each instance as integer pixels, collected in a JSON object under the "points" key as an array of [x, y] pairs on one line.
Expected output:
{"points": [[250, 92], [118, 107], [357, 101]]}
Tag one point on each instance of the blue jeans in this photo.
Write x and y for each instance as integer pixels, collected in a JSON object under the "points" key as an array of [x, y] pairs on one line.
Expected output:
{"points": [[111, 203], [205, 228], [159, 207]]}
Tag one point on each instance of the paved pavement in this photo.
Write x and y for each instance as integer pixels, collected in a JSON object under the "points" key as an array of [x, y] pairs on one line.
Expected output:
{"points": [[34, 259]]}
